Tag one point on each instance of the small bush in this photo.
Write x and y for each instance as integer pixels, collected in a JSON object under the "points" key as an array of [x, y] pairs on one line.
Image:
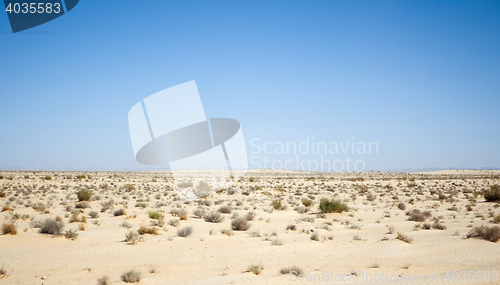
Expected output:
{"points": [[119, 212], [291, 227], [145, 230], [71, 234], [293, 270], [255, 269], [129, 187], [155, 215], [9, 228], [132, 276], [199, 213], [416, 216], [2, 194], [94, 214], [492, 194], [276, 242], [307, 202], [404, 238], [185, 232], [82, 205], [402, 206], [250, 216], [103, 280], [52, 227], [276, 204], [132, 237], [225, 210], [333, 206], [487, 233], [240, 224], [84, 195], [439, 226], [315, 237], [213, 217]]}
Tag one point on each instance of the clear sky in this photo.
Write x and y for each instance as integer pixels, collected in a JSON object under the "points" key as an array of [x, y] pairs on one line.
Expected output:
{"points": [[419, 78]]}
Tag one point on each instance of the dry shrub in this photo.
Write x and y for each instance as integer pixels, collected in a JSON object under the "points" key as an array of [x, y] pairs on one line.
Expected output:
{"points": [[103, 280], [487, 233], [213, 217], [119, 212], [293, 270], [404, 238], [492, 194], [199, 213], [132, 276], [185, 232], [148, 230], [52, 227], [9, 228], [240, 224], [225, 210]]}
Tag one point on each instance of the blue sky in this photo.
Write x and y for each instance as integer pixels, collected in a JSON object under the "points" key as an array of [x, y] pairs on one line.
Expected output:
{"points": [[420, 78]]}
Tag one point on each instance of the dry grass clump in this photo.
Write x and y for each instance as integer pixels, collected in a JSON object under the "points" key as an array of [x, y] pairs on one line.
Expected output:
{"points": [[487, 233], [213, 217], [9, 228], [148, 230], [240, 224], [119, 212], [492, 194], [293, 270], [132, 276], [276, 204], [255, 269], [84, 195], [52, 226], [404, 238], [416, 216], [132, 237], [185, 232], [331, 206], [199, 213]]}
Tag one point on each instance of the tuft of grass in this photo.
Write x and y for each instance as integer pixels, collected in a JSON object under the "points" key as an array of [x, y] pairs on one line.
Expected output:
{"points": [[185, 232], [255, 269], [484, 232], [213, 217], [292, 270], [84, 195], [404, 238], [132, 276], [199, 213], [331, 206], [240, 224], [9, 228]]}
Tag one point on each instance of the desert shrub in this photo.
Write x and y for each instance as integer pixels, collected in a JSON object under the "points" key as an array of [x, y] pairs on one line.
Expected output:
{"points": [[9, 228], [439, 226], [155, 215], [427, 214], [2, 270], [426, 226], [213, 217], [71, 234], [251, 179], [2, 194], [487, 233], [94, 214], [132, 276], [7, 208], [293, 270], [416, 216], [39, 207], [276, 204], [250, 216], [145, 230], [492, 194], [225, 210], [119, 212], [47, 178], [52, 226], [103, 280], [199, 213], [402, 206], [307, 202], [226, 232], [276, 242], [404, 238], [315, 237], [291, 227], [129, 187], [185, 232], [331, 206], [174, 223], [82, 205], [84, 195], [255, 269], [240, 224], [132, 237]]}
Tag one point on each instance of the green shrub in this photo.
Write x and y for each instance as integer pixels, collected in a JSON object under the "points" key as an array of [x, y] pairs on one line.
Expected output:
{"points": [[155, 215], [71, 234], [84, 195], [492, 194], [331, 206], [277, 204], [307, 202], [129, 187]]}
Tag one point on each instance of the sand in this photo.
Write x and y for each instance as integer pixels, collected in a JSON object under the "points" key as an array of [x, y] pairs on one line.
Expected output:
{"points": [[356, 240]]}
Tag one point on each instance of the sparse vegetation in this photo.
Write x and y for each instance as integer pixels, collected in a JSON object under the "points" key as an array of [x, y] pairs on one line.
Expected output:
{"points": [[240, 224], [185, 232], [485, 232], [132, 276]]}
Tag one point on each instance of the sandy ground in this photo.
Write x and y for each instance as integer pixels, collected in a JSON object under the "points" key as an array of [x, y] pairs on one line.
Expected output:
{"points": [[355, 240]]}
